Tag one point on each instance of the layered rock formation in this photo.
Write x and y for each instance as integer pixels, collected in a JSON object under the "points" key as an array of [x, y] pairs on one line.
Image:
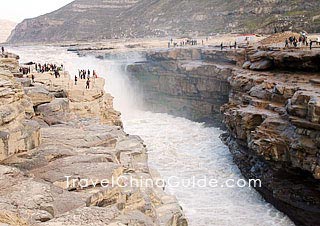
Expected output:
{"points": [[180, 83], [17, 132], [81, 172], [271, 115], [84, 20]]}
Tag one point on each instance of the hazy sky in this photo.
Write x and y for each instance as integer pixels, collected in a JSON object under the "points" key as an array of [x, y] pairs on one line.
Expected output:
{"points": [[17, 10]]}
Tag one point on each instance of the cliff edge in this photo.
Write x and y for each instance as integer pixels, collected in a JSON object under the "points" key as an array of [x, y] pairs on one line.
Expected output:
{"points": [[76, 164]]}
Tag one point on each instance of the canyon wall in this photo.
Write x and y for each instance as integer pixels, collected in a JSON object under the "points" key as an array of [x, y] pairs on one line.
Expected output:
{"points": [[67, 161], [270, 104], [180, 83]]}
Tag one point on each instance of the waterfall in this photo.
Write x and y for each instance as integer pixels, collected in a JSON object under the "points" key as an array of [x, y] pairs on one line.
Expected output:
{"points": [[177, 147]]}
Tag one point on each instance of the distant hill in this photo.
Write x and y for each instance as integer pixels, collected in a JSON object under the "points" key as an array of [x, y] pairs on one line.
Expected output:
{"points": [[5, 29], [85, 20]]}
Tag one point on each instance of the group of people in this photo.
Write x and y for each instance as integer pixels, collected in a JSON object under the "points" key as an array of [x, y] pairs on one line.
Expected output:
{"points": [[302, 41], [85, 75], [230, 45], [25, 70], [48, 67], [192, 42]]}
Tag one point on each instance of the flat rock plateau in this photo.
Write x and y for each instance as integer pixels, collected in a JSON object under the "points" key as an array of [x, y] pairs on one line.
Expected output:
{"points": [[53, 128]]}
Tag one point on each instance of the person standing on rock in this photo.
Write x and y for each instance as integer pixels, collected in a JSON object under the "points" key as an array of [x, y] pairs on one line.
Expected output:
{"points": [[75, 80], [2, 49], [88, 84], [221, 46], [32, 78], [56, 73], [286, 43], [94, 74]]}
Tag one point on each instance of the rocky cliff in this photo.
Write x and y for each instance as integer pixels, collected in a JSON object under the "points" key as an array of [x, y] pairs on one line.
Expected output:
{"points": [[270, 106], [80, 170], [180, 83], [17, 131], [84, 20]]}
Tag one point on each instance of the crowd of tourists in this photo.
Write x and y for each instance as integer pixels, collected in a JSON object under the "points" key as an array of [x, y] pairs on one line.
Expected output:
{"points": [[231, 45], [300, 42], [185, 42], [85, 75], [48, 68]]}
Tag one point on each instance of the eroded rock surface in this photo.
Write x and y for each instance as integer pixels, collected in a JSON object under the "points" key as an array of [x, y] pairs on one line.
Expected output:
{"points": [[180, 83], [271, 113], [17, 132]]}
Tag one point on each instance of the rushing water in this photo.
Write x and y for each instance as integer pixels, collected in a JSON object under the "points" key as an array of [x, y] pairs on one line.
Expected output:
{"points": [[178, 148]]}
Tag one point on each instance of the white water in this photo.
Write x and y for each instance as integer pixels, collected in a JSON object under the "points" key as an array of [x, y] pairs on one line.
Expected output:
{"points": [[177, 147]]}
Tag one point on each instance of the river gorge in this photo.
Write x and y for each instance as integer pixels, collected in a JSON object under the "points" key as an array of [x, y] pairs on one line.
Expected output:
{"points": [[177, 147]]}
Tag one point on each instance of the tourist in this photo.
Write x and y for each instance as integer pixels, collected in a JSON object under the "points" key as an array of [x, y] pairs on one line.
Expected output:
{"points": [[310, 45], [2, 49], [75, 80], [221, 46], [286, 43], [88, 84], [56, 74], [32, 78], [291, 40], [94, 74], [89, 73], [235, 45]]}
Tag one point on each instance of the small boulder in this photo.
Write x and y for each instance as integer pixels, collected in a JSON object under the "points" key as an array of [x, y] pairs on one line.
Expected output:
{"points": [[25, 82], [38, 95], [246, 65], [261, 65]]}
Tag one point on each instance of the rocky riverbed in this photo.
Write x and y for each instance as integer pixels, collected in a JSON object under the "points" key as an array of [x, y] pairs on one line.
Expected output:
{"points": [[270, 106], [53, 129]]}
